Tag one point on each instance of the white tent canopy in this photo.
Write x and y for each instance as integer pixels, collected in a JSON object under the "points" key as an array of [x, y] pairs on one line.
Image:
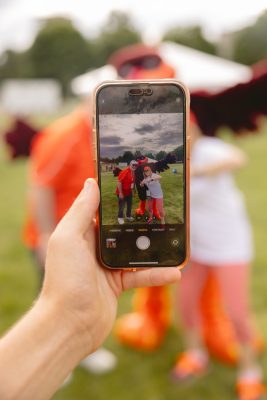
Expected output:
{"points": [[198, 70], [201, 71], [85, 84]]}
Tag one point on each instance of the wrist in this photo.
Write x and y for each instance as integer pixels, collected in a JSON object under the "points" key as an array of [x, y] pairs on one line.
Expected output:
{"points": [[70, 330], [42, 348]]}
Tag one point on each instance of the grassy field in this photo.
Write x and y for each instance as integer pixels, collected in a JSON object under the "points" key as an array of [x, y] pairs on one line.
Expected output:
{"points": [[138, 376], [172, 190]]}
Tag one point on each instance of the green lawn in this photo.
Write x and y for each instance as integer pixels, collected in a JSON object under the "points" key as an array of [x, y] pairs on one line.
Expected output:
{"points": [[138, 376], [172, 190]]}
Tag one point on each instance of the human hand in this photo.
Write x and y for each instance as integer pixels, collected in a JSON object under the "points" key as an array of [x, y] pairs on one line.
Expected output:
{"points": [[86, 292], [121, 196]]}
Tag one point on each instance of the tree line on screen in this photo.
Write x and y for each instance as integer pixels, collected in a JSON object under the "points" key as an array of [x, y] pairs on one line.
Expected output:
{"points": [[129, 156], [61, 51]]}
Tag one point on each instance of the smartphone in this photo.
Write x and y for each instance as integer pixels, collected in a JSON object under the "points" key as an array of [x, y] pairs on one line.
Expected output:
{"points": [[142, 164]]}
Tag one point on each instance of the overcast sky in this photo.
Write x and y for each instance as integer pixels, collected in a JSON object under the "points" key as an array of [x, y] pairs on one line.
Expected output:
{"points": [[153, 17], [143, 132]]}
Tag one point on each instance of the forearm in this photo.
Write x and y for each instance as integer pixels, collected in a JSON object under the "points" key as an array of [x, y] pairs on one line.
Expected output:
{"points": [[38, 353], [119, 186], [217, 168]]}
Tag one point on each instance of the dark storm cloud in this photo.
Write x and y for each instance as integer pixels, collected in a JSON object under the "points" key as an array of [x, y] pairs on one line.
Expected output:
{"points": [[111, 140], [163, 137], [113, 151], [168, 138], [146, 128], [159, 132]]}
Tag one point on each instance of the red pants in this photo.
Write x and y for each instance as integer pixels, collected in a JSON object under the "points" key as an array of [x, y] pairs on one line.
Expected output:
{"points": [[158, 204], [233, 281]]}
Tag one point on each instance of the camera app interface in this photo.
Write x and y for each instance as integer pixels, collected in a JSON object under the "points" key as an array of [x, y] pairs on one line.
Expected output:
{"points": [[141, 171]]}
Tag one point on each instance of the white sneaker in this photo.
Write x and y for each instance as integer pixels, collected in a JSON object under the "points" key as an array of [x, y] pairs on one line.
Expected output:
{"points": [[121, 221], [100, 362], [130, 219]]}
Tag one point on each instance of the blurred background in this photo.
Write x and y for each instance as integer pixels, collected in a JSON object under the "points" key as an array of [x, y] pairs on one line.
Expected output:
{"points": [[43, 47]]}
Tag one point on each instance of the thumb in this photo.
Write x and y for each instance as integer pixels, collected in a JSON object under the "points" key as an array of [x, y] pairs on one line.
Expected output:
{"points": [[82, 212]]}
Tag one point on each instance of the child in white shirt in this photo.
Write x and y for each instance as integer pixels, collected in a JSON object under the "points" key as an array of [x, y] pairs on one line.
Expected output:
{"points": [[152, 181]]}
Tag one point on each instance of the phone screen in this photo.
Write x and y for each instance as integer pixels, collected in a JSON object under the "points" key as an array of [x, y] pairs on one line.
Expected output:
{"points": [[141, 144]]}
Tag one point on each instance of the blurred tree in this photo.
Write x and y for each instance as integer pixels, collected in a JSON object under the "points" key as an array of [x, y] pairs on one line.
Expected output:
{"points": [[161, 154], [191, 36], [60, 51], [179, 153], [127, 156], [250, 43], [150, 155], [15, 65], [117, 32]]}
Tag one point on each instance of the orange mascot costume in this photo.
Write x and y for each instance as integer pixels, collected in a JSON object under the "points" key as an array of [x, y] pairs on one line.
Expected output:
{"points": [[145, 327]]}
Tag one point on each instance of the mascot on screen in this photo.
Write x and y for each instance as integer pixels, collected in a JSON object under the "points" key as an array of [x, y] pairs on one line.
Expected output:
{"points": [[156, 166], [145, 327]]}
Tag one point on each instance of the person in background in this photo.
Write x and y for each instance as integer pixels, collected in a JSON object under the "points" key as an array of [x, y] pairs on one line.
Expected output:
{"points": [[152, 181], [145, 327], [61, 158], [221, 242], [124, 192], [75, 310]]}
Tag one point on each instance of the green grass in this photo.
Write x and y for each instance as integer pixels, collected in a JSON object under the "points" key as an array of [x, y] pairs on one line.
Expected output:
{"points": [[138, 376], [172, 190]]}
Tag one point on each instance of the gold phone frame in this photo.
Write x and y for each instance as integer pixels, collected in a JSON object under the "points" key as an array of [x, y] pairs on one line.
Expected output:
{"points": [[187, 160]]}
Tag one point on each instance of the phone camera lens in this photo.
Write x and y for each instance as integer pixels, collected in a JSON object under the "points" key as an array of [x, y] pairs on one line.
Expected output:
{"points": [[148, 92]]}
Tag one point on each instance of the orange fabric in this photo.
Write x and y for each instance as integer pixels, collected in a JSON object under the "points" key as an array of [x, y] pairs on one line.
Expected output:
{"points": [[188, 366], [126, 177], [217, 327], [61, 159], [145, 328], [250, 390]]}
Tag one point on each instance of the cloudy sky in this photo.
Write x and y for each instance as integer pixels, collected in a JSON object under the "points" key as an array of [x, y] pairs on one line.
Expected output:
{"points": [[17, 25], [144, 132]]}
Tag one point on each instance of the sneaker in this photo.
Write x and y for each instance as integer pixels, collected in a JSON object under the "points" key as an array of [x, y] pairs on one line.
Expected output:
{"points": [[150, 220], [250, 390], [190, 365], [130, 219], [121, 221], [100, 362]]}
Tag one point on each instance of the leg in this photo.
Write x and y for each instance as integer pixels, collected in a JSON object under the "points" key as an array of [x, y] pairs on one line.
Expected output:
{"points": [[150, 210], [193, 280], [234, 282], [129, 200], [121, 203], [155, 210], [141, 208], [150, 207], [194, 360], [159, 204]]}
